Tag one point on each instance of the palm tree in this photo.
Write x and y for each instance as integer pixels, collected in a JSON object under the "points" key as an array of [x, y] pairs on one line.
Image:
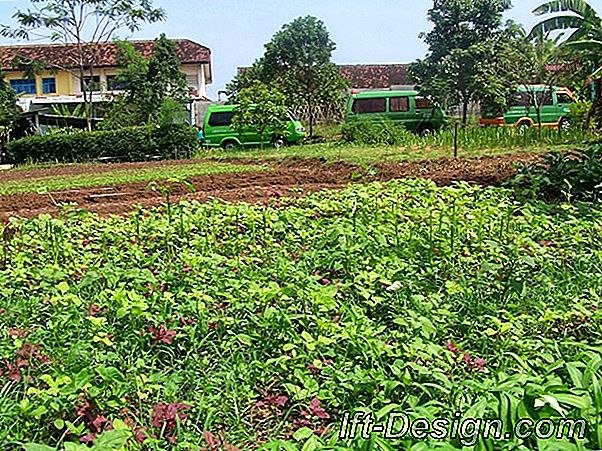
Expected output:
{"points": [[585, 25]]}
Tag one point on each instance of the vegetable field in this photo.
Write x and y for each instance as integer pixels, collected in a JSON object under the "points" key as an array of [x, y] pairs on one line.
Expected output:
{"points": [[240, 327]]}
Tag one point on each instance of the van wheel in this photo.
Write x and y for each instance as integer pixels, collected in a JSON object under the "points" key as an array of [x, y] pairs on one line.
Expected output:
{"points": [[426, 131], [565, 123], [278, 142], [229, 145], [524, 125]]}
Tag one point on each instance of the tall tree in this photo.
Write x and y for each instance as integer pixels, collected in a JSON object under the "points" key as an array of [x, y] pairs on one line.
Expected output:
{"points": [[464, 32], [264, 108], [585, 26], [298, 61], [152, 88], [9, 111], [86, 24]]}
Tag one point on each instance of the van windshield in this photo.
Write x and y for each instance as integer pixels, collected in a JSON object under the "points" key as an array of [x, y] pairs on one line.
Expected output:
{"points": [[564, 98], [221, 119], [422, 103]]}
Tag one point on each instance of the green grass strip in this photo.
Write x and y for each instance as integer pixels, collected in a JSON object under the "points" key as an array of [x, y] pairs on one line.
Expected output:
{"points": [[145, 174]]}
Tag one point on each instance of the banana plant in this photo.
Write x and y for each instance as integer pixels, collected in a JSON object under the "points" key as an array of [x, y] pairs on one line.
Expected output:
{"points": [[585, 23]]}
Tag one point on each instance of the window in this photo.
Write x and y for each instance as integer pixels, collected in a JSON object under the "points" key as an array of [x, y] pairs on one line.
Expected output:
{"points": [[423, 104], [520, 99], [91, 83], [564, 98], [399, 104], [49, 85], [544, 98], [221, 119], [192, 80], [367, 106], [115, 84], [24, 86]]}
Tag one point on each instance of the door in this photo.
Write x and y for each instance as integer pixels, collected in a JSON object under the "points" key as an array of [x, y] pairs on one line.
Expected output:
{"points": [[400, 111], [219, 127], [519, 106], [549, 112], [564, 101]]}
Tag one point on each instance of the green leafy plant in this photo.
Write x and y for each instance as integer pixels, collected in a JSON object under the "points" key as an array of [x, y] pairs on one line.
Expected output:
{"points": [[241, 326], [128, 144], [263, 108], [564, 176], [382, 132]]}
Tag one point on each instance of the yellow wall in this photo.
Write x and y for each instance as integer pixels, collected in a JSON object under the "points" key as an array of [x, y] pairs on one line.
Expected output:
{"points": [[63, 82]]}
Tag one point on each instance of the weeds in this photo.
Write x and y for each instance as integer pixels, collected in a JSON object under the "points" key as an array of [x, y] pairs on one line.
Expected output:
{"points": [[568, 176], [272, 323]]}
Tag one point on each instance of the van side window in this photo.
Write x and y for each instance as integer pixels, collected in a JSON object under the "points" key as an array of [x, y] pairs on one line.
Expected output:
{"points": [[399, 104], [221, 119], [544, 98], [564, 98], [423, 104], [520, 99], [365, 106]]}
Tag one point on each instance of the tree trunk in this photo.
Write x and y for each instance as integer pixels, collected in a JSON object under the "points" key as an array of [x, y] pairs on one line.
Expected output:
{"points": [[311, 117], [597, 104], [464, 113]]}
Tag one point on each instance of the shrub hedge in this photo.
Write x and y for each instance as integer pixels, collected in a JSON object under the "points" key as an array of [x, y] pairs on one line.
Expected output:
{"points": [[127, 144], [382, 132]]}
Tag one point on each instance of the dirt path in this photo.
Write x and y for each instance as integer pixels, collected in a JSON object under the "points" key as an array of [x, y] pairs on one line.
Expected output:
{"points": [[290, 178]]}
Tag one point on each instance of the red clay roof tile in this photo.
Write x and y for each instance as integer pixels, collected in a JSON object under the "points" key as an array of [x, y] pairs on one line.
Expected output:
{"points": [[61, 55]]}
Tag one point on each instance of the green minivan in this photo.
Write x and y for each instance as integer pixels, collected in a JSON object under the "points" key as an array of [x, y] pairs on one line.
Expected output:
{"points": [[408, 108], [553, 103], [218, 131]]}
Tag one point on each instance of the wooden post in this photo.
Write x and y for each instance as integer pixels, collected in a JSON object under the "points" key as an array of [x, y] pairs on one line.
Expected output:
{"points": [[456, 125]]}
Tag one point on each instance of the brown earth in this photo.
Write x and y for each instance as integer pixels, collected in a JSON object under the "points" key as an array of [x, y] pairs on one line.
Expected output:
{"points": [[290, 178]]}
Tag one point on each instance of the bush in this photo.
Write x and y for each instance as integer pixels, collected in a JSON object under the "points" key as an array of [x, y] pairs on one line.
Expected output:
{"points": [[580, 114], [127, 144], [383, 132], [564, 176]]}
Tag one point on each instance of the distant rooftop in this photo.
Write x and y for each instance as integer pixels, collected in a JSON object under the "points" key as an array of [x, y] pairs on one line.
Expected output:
{"points": [[376, 76], [65, 55], [372, 76]]}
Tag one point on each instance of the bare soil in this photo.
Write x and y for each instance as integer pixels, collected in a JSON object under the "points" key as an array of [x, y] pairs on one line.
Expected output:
{"points": [[289, 178]]}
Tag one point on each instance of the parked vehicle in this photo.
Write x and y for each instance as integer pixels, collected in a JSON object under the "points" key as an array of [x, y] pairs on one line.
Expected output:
{"points": [[553, 104], [218, 131], [417, 113]]}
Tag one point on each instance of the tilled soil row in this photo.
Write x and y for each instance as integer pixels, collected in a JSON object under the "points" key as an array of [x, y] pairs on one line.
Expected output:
{"points": [[290, 178]]}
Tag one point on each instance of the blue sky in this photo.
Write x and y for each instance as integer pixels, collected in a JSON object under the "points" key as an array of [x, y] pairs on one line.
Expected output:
{"points": [[366, 31]]}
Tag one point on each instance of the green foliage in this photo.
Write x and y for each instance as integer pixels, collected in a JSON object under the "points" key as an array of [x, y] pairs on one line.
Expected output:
{"points": [[297, 61], [383, 132], [128, 144], [84, 23], [251, 314], [78, 110], [580, 114], [470, 139], [155, 91], [263, 108], [585, 25], [564, 176], [9, 112], [470, 56]]}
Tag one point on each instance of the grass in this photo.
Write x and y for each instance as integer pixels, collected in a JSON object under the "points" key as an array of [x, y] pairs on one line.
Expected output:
{"points": [[265, 325], [473, 142], [120, 176]]}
